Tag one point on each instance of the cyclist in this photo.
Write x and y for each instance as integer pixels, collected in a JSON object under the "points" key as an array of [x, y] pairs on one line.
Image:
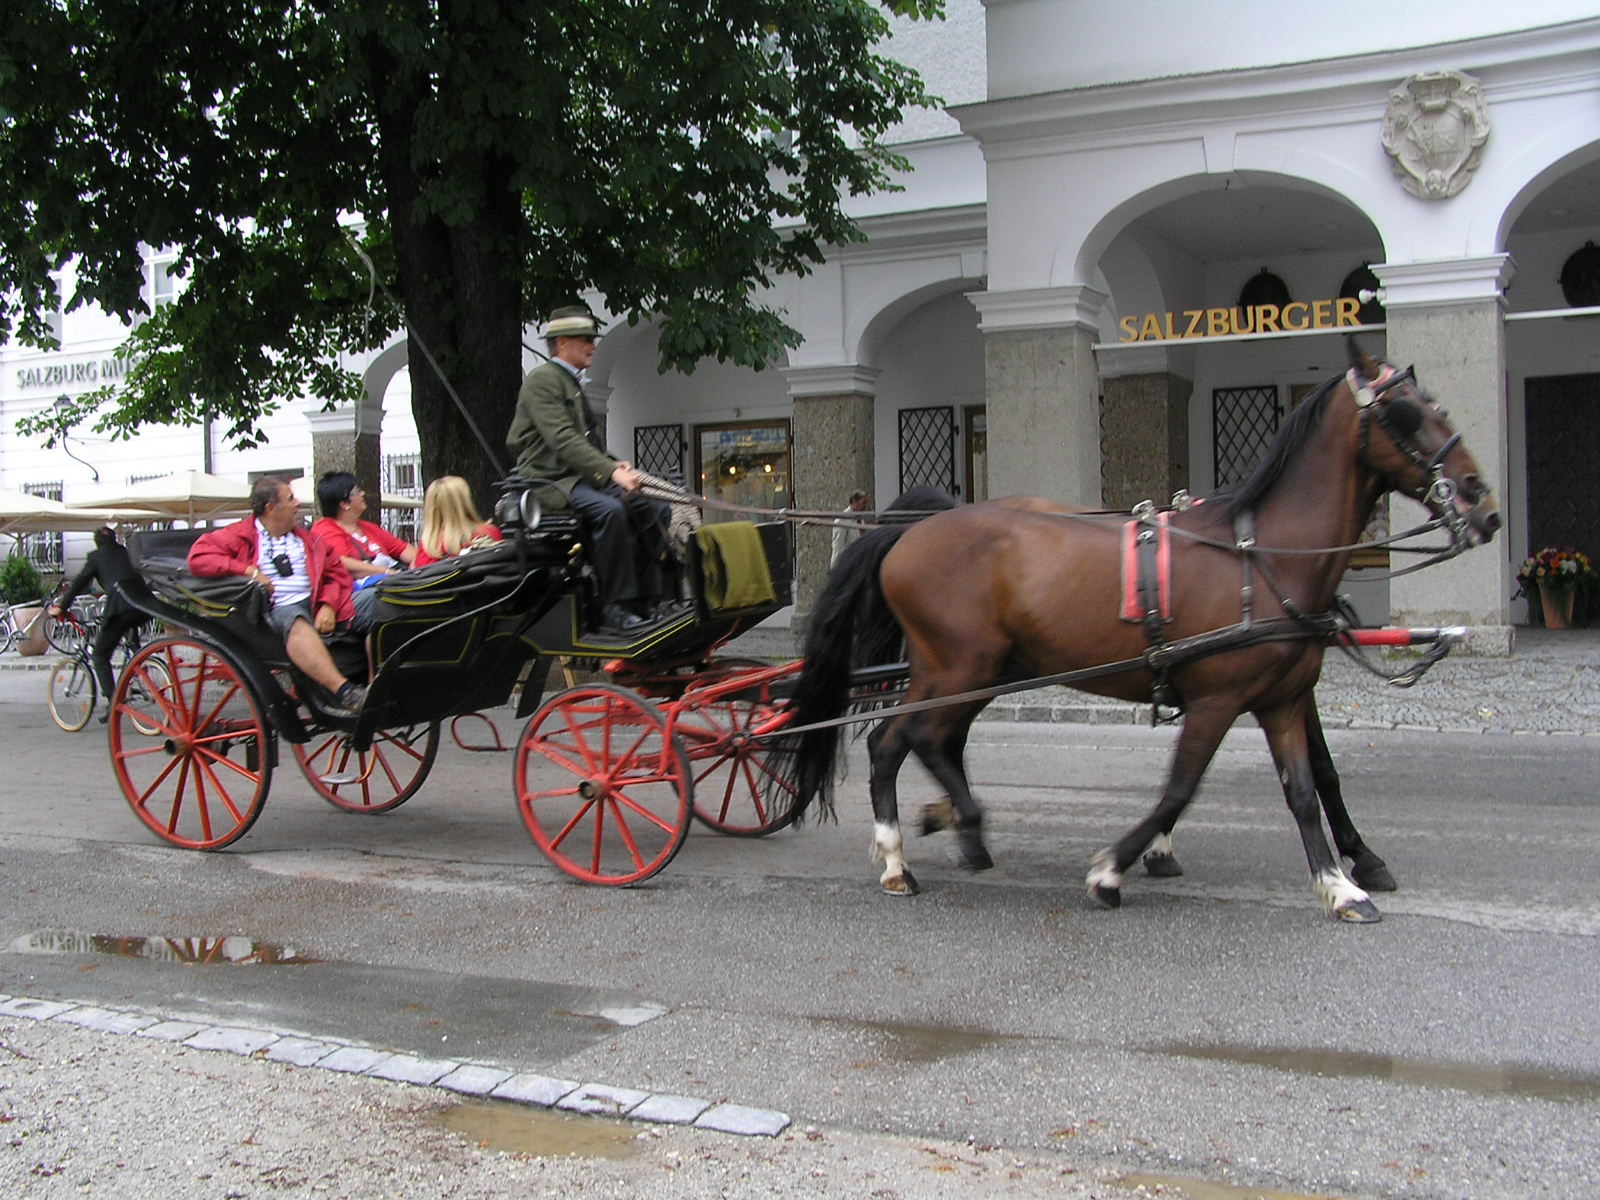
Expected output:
{"points": [[108, 565]]}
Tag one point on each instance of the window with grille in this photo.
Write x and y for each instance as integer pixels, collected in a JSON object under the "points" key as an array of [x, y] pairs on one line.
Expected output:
{"points": [[658, 450], [47, 551], [928, 447], [1243, 423]]}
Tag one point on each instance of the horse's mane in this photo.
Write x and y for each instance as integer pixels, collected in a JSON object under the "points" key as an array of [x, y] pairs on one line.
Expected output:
{"points": [[1294, 434]]}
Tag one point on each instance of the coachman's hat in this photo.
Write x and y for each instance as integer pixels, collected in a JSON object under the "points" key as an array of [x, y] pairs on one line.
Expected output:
{"points": [[572, 321]]}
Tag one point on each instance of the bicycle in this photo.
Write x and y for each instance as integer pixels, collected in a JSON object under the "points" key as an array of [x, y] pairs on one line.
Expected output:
{"points": [[74, 690]]}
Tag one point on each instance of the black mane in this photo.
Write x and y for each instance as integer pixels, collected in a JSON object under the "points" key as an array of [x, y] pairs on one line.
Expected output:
{"points": [[1294, 434]]}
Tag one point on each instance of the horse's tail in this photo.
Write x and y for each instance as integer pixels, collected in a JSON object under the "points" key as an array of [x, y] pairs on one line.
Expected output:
{"points": [[851, 627]]}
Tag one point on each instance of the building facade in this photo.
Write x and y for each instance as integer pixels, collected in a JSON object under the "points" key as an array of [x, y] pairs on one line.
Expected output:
{"points": [[1067, 297]]}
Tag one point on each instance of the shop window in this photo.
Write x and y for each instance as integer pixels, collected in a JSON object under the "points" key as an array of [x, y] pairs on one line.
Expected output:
{"points": [[658, 450], [1244, 420], [745, 463]]}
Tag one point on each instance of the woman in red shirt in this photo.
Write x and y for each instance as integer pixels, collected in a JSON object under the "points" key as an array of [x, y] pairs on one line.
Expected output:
{"points": [[365, 549], [450, 523]]}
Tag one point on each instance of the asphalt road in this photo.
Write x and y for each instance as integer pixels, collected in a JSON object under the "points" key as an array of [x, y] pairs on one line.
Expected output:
{"points": [[1219, 1025]]}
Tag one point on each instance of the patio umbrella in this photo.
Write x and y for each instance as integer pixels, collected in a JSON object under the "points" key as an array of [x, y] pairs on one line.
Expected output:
{"points": [[187, 495], [22, 513]]}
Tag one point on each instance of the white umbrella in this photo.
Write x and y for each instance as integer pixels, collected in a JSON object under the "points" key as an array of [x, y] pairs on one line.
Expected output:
{"points": [[188, 495], [23, 513]]}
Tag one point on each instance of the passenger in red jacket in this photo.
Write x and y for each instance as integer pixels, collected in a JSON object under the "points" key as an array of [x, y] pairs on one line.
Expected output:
{"points": [[309, 587]]}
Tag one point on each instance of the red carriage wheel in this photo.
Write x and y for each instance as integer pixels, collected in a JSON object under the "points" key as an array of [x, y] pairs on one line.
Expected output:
{"points": [[601, 786], [200, 779], [737, 790], [382, 777]]}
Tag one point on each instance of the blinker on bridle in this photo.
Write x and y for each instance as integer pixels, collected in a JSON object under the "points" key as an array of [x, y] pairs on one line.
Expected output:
{"points": [[1399, 418]]}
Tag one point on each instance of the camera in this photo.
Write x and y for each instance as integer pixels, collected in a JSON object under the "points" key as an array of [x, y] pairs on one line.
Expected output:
{"points": [[285, 567]]}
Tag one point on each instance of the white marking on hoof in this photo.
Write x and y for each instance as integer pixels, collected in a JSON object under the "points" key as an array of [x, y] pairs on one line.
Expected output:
{"points": [[1105, 881], [889, 848], [1161, 844], [1338, 891]]}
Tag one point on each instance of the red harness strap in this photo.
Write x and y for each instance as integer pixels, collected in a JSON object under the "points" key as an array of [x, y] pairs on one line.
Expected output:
{"points": [[1146, 570]]}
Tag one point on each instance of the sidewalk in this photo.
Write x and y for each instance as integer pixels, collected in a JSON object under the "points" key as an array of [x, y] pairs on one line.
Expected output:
{"points": [[1549, 685]]}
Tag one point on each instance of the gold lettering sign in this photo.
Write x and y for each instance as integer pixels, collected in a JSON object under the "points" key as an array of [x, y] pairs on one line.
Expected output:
{"points": [[1197, 323]]}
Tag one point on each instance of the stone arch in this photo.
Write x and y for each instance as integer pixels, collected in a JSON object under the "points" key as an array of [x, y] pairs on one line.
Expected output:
{"points": [[1077, 264], [868, 328], [1537, 164]]}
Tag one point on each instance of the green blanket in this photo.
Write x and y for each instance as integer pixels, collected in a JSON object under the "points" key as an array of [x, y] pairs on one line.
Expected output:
{"points": [[735, 566]]}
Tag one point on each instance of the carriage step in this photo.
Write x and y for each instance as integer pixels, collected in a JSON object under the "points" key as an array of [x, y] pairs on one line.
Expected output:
{"points": [[340, 778]]}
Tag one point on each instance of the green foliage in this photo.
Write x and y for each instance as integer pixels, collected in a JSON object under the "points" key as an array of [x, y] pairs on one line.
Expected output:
{"points": [[20, 581], [495, 158]]}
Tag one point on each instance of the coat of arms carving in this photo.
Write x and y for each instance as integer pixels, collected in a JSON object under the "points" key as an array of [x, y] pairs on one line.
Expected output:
{"points": [[1434, 130]]}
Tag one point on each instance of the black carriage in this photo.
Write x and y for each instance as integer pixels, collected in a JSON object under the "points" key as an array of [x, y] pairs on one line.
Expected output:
{"points": [[606, 774]]}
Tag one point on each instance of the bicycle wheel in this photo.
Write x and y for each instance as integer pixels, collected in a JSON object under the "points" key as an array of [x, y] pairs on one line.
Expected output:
{"points": [[69, 636], [140, 697], [73, 693], [9, 636]]}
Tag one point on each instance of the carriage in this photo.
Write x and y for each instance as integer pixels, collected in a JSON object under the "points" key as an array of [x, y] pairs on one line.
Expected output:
{"points": [[607, 774], [1224, 610]]}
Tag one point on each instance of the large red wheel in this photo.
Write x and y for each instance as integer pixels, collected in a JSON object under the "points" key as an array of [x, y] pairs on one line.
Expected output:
{"points": [[738, 789], [200, 779], [601, 786], [375, 780]]}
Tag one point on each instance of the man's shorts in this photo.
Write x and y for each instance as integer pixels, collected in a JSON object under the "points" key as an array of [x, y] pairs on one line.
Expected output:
{"points": [[283, 616]]}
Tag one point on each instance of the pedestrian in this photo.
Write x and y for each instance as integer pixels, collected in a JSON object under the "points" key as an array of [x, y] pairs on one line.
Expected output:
{"points": [[107, 564], [849, 530], [555, 439]]}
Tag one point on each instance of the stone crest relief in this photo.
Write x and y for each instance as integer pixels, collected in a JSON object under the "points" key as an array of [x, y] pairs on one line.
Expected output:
{"points": [[1434, 130]]}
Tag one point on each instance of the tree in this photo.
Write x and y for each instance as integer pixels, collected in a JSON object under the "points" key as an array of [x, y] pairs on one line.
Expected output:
{"points": [[494, 158]]}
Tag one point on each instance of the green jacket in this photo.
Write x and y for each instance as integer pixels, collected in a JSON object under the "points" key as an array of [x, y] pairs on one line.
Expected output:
{"points": [[550, 435]]}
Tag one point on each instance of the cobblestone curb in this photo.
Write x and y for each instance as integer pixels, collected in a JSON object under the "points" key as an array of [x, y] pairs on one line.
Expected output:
{"points": [[484, 1080]]}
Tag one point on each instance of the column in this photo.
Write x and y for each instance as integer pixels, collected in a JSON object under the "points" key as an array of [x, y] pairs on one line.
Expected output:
{"points": [[1145, 435], [1447, 319], [348, 439], [833, 438], [1043, 387]]}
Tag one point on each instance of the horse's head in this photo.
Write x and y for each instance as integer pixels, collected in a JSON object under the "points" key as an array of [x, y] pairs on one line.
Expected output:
{"points": [[1407, 440]]}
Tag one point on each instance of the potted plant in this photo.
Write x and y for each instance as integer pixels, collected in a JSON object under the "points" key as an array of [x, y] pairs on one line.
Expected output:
{"points": [[22, 587], [1560, 584]]}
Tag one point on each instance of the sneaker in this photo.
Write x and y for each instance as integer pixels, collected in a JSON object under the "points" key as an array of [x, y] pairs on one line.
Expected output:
{"points": [[352, 696], [614, 618]]}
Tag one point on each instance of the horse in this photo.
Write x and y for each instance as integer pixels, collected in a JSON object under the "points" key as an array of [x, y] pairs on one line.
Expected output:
{"points": [[1020, 589]]}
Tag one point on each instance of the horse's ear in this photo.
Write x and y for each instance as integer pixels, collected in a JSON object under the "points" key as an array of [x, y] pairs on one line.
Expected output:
{"points": [[1365, 365]]}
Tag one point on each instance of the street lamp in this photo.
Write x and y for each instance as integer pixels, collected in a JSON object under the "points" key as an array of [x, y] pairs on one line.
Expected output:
{"points": [[63, 404]]}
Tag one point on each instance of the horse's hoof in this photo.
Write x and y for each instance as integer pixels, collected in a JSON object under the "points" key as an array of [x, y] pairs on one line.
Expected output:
{"points": [[937, 815], [1359, 912], [903, 884], [1162, 866], [1105, 897], [1374, 877], [971, 854]]}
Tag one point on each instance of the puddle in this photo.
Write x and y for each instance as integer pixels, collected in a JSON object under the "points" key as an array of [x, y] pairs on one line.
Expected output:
{"points": [[1202, 1189], [192, 951], [519, 1130], [922, 1044], [1468, 1077]]}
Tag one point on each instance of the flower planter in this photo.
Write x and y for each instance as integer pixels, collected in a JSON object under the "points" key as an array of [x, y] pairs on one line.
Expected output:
{"points": [[33, 643], [1556, 603]]}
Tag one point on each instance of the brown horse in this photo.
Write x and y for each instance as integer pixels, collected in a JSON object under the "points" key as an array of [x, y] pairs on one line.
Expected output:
{"points": [[1005, 591]]}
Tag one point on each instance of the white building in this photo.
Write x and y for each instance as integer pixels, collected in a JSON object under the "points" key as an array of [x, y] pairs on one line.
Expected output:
{"points": [[1099, 166]]}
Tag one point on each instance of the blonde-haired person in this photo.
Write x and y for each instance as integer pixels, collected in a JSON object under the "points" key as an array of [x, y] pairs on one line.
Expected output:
{"points": [[450, 523]]}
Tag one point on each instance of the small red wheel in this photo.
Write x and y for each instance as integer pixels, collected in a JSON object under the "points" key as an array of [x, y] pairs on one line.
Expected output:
{"points": [[737, 791], [601, 786], [382, 777], [200, 779]]}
